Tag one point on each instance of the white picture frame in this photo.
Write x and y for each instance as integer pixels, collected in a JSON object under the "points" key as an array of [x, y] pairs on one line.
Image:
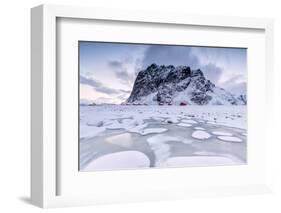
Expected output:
{"points": [[45, 168]]}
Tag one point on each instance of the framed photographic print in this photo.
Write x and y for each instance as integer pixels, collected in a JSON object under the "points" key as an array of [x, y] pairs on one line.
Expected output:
{"points": [[149, 106]]}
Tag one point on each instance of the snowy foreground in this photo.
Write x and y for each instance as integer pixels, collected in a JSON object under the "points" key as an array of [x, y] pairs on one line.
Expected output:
{"points": [[131, 137]]}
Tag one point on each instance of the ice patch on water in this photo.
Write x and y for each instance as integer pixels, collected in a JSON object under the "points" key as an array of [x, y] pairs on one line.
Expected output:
{"points": [[222, 133], [184, 125], [162, 139], [129, 124], [119, 160], [152, 130], [124, 140], [158, 118], [201, 121], [158, 144], [189, 121], [199, 128], [230, 139], [199, 134], [115, 125], [212, 122], [126, 121], [90, 131], [138, 128], [161, 151]]}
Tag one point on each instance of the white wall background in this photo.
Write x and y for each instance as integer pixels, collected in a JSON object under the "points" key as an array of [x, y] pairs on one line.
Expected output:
{"points": [[15, 98]]}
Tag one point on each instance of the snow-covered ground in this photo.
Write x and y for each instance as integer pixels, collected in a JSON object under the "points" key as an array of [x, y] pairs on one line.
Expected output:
{"points": [[126, 137]]}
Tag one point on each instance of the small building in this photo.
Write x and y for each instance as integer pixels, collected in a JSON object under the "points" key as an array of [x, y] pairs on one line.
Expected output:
{"points": [[183, 103]]}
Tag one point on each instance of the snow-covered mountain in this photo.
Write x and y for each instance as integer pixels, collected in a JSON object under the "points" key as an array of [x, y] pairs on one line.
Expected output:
{"points": [[243, 99], [170, 85]]}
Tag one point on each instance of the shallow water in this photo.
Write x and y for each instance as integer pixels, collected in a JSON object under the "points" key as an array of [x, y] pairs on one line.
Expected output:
{"points": [[111, 141]]}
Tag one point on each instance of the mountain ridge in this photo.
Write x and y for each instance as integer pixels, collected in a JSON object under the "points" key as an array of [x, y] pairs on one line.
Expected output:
{"points": [[178, 85]]}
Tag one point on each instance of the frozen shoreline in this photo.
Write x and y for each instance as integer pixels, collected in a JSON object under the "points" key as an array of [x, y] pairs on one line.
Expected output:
{"points": [[218, 131]]}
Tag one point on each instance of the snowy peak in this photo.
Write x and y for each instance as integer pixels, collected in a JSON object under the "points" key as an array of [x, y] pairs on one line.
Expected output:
{"points": [[170, 85], [243, 99]]}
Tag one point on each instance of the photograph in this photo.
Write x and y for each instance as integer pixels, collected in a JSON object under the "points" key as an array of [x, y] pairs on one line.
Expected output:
{"points": [[161, 106]]}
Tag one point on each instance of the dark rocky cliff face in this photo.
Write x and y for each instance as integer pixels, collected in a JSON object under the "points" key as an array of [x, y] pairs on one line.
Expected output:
{"points": [[178, 86]]}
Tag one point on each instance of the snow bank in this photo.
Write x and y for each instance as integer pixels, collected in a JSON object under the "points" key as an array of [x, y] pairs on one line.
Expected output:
{"points": [[119, 160]]}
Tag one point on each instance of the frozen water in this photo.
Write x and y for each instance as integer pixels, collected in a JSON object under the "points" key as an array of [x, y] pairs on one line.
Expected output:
{"points": [[204, 153], [199, 128], [90, 131], [106, 130], [184, 125], [152, 130], [198, 161], [189, 121], [161, 149], [158, 118], [138, 128], [162, 139], [159, 146], [124, 140], [221, 133], [230, 138], [200, 134]]}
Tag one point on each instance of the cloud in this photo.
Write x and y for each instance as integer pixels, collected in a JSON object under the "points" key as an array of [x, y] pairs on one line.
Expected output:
{"points": [[181, 55], [115, 64], [120, 64], [212, 72], [236, 79], [216, 63], [236, 85], [121, 72], [170, 55], [103, 100], [123, 75], [125, 91], [238, 89], [97, 85]]}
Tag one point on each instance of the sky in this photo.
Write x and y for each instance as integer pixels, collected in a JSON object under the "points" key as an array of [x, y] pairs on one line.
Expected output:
{"points": [[108, 70]]}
